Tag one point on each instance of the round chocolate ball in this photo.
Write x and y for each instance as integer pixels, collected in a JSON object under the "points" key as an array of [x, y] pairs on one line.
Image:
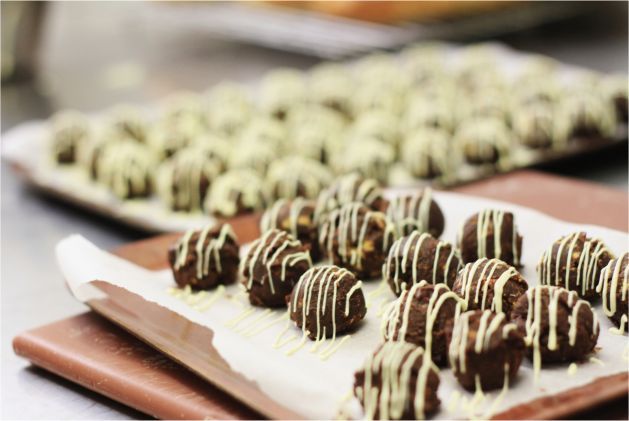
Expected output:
{"points": [[204, 259], [272, 267], [327, 301], [126, 168], [490, 284], [69, 132], [297, 218], [484, 140], [357, 238], [558, 326], [183, 180], [423, 315], [613, 285], [398, 381], [348, 189], [425, 153], [236, 192], [295, 176], [493, 234], [574, 262], [417, 211], [486, 350], [420, 257]]}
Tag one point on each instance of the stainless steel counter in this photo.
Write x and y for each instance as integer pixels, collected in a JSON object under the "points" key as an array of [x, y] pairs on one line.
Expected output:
{"points": [[97, 54]]}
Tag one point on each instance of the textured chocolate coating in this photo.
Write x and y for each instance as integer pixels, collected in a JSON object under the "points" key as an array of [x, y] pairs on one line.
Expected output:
{"points": [[423, 315], [574, 262], [388, 388], [327, 300], [490, 284], [273, 266], [297, 218], [204, 259], [485, 349], [491, 233], [416, 211], [418, 257], [613, 285], [357, 238], [573, 326], [348, 189], [236, 192]]}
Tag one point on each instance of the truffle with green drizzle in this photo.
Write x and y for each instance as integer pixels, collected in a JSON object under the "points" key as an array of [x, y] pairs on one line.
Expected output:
{"points": [[490, 284], [357, 238], [420, 257], [297, 218], [69, 133], [126, 168], [295, 176], [486, 350], [398, 381], [491, 233], [272, 267], [206, 258], [417, 211], [613, 285], [558, 326], [574, 262], [423, 315], [327, 300]]}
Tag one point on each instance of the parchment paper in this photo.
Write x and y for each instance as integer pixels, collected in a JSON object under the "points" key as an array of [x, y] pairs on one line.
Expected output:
{"points": [[315, 388]]}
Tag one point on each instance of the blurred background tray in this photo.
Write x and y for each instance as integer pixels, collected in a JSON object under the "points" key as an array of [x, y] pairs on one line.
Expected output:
{"points": [[87, 350]]}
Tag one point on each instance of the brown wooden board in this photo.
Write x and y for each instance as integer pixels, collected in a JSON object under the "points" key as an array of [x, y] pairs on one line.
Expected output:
{"points": [[79, 359]]}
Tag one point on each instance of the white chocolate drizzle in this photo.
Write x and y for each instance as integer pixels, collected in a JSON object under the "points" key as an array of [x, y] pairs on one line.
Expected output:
{"points": [[343, 225], [125, 167], [270, 218], [207, 256], [409, 248], [199, 300], [236, 187], [487, 268], [585, 274], [412, 212], [275, 242]]}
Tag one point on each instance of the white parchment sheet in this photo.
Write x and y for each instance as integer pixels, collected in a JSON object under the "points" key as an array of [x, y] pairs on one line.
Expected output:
{"points": [[314, 387]]}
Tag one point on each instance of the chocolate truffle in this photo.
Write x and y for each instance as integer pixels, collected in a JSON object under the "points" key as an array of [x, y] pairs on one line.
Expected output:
{"points": [[587, 115], [416, 211], [357, 238], [69, 132], [536, 127], [486, 350], [252, 156], [297, 218], [398, 381], [273, 266], [376, 124], [418, 257], [294, 176], [332, 86], [367, 156], [236, 192], [423, 315], [429, 113], [347, 189], [574, 262], [491, 233], [265, 130], [229, 119], [183, 180], [204, 259], [168, 137], [280, 90], [613, 286], [327, 300], [558, 326], [129, 122], [615, 88], [425, 153], [125, 167], [484, 140], [490, 284]]}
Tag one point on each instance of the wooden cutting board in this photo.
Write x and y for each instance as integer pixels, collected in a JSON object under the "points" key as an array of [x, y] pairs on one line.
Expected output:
{"points": [[87, 349]]}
